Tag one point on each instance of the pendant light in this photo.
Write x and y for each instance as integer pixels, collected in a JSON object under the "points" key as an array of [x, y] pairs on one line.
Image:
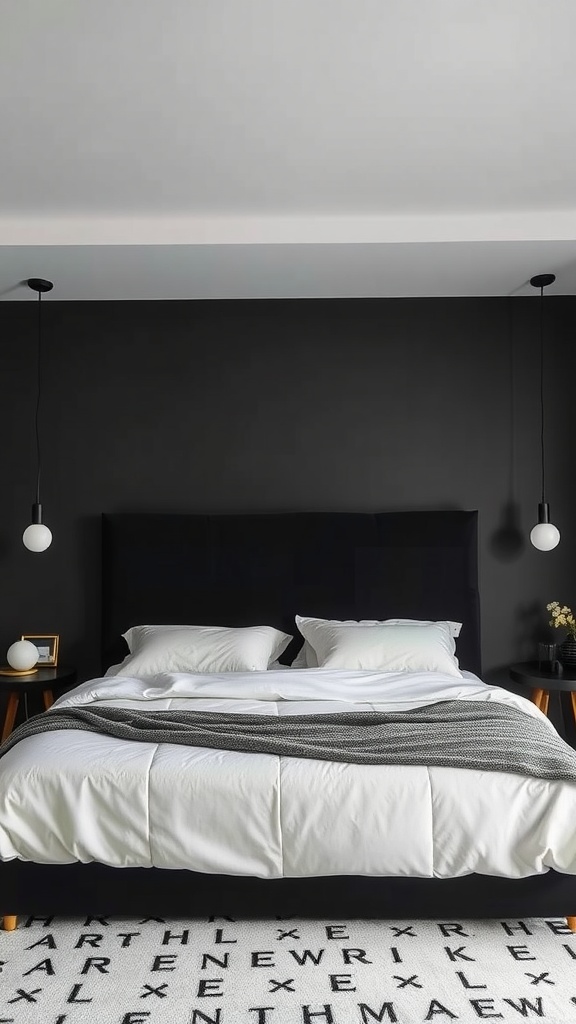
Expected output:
{"points": [[544, 535], [37, 536]]}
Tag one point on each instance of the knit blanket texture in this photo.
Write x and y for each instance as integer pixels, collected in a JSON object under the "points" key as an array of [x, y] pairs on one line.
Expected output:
{"points": [[455, 734]]}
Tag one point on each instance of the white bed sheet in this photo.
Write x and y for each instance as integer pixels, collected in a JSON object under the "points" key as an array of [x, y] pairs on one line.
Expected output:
{"points": [[76, 796]]}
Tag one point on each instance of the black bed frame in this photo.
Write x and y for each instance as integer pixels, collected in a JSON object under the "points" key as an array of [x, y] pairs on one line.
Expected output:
{"points": [[248, 569]]}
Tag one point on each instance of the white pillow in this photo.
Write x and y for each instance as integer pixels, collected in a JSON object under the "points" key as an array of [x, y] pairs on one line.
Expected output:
{"points": [[387, 646], [155, 649], [306, 658]]}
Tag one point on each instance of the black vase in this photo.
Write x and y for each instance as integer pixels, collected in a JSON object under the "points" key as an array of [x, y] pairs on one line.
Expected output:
{"points": [[567, 652]]}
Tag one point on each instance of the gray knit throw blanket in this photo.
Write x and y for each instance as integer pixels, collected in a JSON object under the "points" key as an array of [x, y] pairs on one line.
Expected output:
{"points": [[454, 734]]}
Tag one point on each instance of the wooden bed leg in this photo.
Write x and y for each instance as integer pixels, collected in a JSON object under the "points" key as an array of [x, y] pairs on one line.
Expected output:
{"points": [[571, 922], [9, 922]]}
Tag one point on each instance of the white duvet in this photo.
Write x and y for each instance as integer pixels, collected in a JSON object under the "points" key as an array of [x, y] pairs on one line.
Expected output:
{"points": [[77, 796]]}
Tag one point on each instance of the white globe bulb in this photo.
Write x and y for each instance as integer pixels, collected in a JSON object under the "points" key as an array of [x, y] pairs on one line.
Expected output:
{"points": [[37, 537], [545, 536], [22, 655]]}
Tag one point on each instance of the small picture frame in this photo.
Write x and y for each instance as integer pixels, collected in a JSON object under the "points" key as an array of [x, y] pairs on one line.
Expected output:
{"points": [[47, 645]]}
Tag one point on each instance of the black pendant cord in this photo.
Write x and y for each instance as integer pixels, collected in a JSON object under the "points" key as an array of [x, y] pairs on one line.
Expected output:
{"points": [[543, 462], [38, 397], [39, 285]]}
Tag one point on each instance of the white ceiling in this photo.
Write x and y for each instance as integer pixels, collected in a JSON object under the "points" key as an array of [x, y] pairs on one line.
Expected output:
{"points": [[193, 148]]}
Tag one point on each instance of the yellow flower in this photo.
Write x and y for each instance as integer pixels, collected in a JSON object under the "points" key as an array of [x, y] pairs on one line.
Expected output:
{"points": [[562, 615]]}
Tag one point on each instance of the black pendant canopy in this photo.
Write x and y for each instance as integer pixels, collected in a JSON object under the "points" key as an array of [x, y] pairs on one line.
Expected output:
{"points": [[39, 284], [542, 280]]}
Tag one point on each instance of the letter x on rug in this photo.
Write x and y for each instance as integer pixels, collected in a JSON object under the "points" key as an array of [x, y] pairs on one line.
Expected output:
{"points": [[285, 971]]}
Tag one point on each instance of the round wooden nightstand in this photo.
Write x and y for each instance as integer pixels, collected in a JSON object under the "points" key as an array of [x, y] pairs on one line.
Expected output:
{"points": [[542, 682], [43, 681]]}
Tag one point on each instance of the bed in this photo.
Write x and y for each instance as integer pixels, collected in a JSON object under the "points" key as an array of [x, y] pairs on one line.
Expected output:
{"points": [[242, 570]]}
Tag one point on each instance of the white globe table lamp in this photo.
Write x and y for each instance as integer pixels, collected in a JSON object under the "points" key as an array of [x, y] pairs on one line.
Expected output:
{"points": [[22, 656]]}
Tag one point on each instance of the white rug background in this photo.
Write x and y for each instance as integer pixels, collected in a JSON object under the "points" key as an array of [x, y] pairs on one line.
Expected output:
{"points": [[151, 971]]}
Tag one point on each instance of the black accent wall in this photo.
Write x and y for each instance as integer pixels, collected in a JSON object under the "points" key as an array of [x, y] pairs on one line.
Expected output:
{"points": [[286, 405]]}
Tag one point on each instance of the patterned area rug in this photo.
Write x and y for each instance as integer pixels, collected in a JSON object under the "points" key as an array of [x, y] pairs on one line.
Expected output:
{"points": [[285, 971]]}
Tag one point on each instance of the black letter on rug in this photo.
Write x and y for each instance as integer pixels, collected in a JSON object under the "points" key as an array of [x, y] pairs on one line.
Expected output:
{"points": [[162, 963], [386, 1008], [559, 928], [44, 965], [520, 953], [49, 941], [355, 954], [435, 1008], [326, 1013], [466, 983], [286, 985], [453, 928], [412, 980], [72, 998], [23, 994], [525, 1005], [182, 938], [209, 987], [341, 983], [214, 960], [98, 963], [457, 954], [89, 939], [520, 927], [262, 958], [479, 1005], [301, 958], [158, 991]]}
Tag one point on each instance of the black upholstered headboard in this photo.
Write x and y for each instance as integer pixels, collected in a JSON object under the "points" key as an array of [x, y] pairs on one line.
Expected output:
{"points": [[238, 570]]}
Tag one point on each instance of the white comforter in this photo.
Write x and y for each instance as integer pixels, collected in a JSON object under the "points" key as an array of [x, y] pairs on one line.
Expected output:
{"points": [[67, 796]]}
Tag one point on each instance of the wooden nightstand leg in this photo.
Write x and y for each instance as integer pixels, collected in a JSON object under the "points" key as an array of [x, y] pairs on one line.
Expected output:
{"points": [[48, 699], [11, 709], [537, 697], [9, 922], [571, 922]]}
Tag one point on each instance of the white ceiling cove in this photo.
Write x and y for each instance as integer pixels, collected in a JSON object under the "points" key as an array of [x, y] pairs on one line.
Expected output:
{"points": [[247, 148]]}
